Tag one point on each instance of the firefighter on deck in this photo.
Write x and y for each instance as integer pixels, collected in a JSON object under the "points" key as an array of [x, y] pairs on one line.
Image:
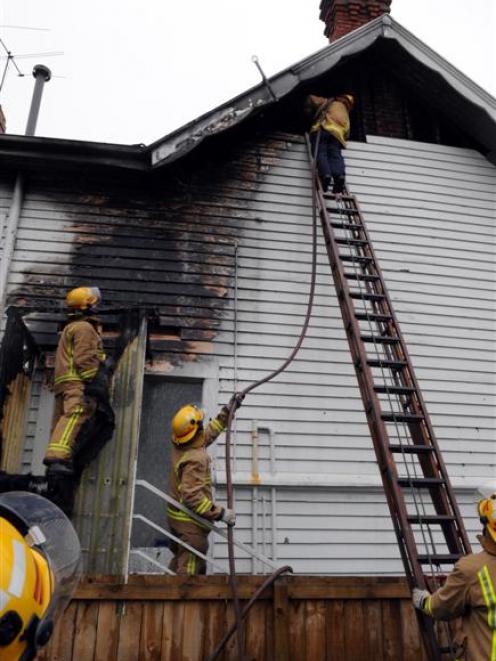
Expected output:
{"points": [[190, 484], [470, 593], [81, 395]]}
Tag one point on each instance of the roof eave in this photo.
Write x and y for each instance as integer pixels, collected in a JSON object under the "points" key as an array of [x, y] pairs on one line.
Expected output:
{"points": [[183, 140], [23, 150]]}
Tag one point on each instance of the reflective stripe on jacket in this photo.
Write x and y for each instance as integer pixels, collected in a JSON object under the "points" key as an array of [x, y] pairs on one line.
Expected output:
{"points": [[79, 352], [470, 593], [332, 116], [190, 479]]}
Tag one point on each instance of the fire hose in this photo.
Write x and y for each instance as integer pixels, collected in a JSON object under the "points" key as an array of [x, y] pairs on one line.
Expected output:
{"points": [[241, 614]]}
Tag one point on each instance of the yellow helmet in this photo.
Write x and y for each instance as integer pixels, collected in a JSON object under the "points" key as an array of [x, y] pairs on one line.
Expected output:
{"points": [[187, 421], [40, 555], [487, 514], [83, 298]]}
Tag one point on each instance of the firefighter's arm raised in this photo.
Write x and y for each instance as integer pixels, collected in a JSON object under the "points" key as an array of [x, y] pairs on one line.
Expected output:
{"points": [[218, 424]]}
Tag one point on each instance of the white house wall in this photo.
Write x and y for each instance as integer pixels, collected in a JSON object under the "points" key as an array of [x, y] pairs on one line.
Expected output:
{"points": [[430, 210]]}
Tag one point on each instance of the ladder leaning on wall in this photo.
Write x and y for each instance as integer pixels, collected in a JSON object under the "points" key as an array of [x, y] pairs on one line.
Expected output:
{"points": [[426, 519]]}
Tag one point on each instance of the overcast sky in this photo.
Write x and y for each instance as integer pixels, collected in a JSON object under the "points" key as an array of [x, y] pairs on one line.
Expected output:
{"points": [[134, 70]]}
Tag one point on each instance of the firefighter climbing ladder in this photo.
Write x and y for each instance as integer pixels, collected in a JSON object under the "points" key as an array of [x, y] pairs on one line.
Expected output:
{"points": [[423, 508]]}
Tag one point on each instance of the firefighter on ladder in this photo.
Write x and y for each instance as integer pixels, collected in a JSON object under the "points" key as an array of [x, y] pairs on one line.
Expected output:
{"points": [[190, 483], [470, 593], [81, 394], [329, 133]]}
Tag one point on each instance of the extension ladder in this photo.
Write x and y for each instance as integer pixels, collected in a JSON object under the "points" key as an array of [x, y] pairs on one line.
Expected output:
{"points": [[425, 515]]}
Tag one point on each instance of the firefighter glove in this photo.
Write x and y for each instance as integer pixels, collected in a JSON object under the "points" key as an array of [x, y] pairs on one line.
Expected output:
{"points": [[419, 597], [228, 516], [236, 399]]}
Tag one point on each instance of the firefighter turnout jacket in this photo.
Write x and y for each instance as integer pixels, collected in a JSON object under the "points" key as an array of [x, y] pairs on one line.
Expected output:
{"points": [[190, 480], [331, 115], [77, 361], [79, 353], [470, 593]]}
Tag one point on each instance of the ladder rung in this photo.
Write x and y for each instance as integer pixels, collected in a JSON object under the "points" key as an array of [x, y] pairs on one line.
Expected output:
{"points": [[330, 195], [356, 258], [445, 559], [411, 449], [367, 297], [395, 390], [371, 316], [392, 364], [430, 519], [346, 226], [362, 276], [401, 417], [352, 242], [380, 339], [420, 482]]}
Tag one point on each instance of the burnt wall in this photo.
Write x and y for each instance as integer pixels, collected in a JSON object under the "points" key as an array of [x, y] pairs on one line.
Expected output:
{"points": [[164, 242], [396, 97]]}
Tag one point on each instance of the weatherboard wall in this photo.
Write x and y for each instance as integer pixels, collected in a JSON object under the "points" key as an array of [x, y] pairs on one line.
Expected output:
{"points": [[431, 214], [225, 261]]}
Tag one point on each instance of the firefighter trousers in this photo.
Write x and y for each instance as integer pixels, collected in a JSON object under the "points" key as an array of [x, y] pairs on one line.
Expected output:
{"points": [[184, 561], [72, 409]]}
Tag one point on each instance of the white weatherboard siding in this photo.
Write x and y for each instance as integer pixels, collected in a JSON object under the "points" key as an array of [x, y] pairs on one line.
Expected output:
{"points": [[431, 213]]}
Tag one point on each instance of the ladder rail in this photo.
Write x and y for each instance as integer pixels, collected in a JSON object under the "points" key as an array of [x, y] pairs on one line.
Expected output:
{"points": [[400, 352], [397, 419], [371, 402], [408, 412]]}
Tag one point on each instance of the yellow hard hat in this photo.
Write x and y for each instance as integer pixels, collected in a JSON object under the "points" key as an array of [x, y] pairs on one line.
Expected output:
{"points": [[40, 557], [487, 514], [185, 424], [83, 298]]}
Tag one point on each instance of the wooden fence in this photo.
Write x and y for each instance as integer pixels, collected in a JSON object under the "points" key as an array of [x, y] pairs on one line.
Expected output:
{"points": [[302, 618]]}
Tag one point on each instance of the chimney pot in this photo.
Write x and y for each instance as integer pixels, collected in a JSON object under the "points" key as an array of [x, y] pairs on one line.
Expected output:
{"points": [[344, 16]]}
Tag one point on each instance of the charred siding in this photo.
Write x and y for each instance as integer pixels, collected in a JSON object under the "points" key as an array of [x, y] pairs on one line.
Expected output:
{"points": [[165, 245]]}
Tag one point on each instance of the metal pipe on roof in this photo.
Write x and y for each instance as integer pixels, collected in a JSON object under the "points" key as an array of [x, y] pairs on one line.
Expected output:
{"points": [[42, 75]]}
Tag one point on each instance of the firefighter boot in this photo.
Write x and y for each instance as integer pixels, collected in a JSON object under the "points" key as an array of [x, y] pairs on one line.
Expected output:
{"points": [[62, 485]]}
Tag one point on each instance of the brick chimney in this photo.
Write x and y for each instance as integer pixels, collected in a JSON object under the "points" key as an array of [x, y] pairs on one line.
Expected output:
{"points": [[343, 16]]}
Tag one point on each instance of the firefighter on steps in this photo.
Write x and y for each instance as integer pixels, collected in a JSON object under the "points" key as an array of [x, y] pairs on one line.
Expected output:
{"points": [[39, 569], [190, 483], [470, 593], [81, 397]]}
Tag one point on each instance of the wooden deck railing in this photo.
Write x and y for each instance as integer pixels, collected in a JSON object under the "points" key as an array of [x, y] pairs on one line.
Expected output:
{"points": [[303, 618]]}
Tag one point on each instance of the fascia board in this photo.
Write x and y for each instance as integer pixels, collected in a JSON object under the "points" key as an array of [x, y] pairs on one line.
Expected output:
{"points": [[432, 60]]}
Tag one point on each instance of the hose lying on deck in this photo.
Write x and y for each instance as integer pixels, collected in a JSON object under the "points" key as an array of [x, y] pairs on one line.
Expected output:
{"points": [[241, 614]]}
